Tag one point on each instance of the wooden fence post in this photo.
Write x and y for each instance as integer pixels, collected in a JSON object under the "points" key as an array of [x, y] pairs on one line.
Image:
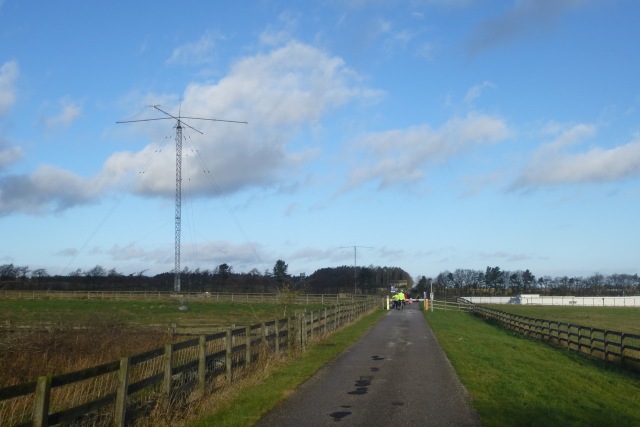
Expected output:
{"points": [[622, 348], [41, 402], [289, 334], [277, 346], [324, 326], [202, 363], [227, 357], [120, 416], [168, 362], [306, 330], [302, 329], [247, 340]]}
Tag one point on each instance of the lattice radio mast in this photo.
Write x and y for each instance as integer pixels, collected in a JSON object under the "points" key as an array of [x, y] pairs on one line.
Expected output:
{"points": [[178, 223], [355, 265]]}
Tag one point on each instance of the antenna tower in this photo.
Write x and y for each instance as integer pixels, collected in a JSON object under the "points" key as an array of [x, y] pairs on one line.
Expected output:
{"points": [[178, 224], [355, 265]]}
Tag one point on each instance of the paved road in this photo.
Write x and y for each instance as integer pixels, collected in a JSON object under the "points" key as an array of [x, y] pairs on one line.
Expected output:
{"points": [[396, 374]]}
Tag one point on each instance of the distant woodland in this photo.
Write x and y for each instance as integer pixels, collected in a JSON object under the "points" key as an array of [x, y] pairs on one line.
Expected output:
{"points": [[366, 280], [498, 282]]}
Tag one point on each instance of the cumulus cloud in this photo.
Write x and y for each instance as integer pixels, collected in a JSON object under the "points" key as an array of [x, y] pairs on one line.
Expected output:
{"points": [[8, 75], [47, 189], [555, 164], [400, 156], [525, 17], [279, 92]]}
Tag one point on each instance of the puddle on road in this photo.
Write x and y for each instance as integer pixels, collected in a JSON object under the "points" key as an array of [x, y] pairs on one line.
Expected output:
{"points": [[338, 416], [362, 385]]}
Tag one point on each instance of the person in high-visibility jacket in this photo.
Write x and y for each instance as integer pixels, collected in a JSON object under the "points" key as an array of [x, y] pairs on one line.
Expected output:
{"points": [[396, 300], [400, 300]]}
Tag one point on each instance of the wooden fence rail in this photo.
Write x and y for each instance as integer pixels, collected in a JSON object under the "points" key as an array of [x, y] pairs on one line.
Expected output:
{"points": [[611, 346], [113, 393], [450, 304]]}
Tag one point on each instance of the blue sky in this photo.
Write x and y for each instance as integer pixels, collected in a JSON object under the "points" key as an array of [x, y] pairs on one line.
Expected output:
{"points": [[430, 134]]}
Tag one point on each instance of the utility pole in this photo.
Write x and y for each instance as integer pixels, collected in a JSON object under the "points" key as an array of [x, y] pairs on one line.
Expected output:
{"points": [[178, 203], [355, 265]]}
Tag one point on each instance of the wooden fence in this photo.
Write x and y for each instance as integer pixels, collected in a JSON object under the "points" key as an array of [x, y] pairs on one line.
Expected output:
{"points": [[276, 298], [116, 392], [613, 346], [456, 304]]}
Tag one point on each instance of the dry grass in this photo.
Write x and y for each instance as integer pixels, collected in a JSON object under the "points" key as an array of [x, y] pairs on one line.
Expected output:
{"points": [[28, 354], [184, 410]]}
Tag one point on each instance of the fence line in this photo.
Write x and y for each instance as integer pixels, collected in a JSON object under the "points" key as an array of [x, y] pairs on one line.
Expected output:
{"points": [[112, 393], [450, 304], [610, 346], [277, 298]]}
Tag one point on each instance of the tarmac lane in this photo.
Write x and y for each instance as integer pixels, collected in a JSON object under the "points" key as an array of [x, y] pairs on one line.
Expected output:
{"points": [[396, 374]]}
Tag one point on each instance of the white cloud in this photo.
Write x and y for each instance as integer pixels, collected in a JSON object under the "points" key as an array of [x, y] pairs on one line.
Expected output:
{"points": [[475, 91], [8, 154], [400, 156], [552, 164], [277, 92], [47, 189], [194, 53], [8, 75], [69, 112]]}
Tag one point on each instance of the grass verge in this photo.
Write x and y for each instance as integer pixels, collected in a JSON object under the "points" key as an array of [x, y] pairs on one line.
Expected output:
{"points": [[517, 381], [255, 398]]}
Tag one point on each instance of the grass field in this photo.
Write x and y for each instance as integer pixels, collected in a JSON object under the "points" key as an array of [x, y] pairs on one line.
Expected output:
{"points": [[27, 354], [623, 319], [517, 381], [141, 312]]}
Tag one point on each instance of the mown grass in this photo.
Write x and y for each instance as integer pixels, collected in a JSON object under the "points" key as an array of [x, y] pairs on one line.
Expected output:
{"points": [[623, 319], [516, 381], [253, 400]]}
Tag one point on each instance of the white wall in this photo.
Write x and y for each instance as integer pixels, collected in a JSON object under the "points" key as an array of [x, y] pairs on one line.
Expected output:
{"points": [[560, 300]]}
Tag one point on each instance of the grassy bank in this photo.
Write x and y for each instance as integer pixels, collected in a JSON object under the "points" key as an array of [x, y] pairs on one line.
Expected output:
{"points": [[250, 401], [516, 381]]}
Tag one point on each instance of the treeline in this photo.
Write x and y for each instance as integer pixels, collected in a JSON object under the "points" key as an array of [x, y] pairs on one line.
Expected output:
{"points": [[494, 281], [367, 280]]}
